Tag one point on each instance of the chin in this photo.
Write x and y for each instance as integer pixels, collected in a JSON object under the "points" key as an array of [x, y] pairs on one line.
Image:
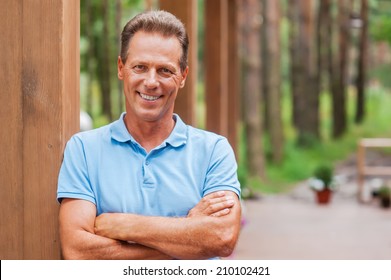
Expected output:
{"points": [[150, 117]]}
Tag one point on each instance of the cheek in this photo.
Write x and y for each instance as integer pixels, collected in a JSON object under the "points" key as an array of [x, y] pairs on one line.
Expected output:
{"points": [[173, 82], [132, 78], [173, 88]]}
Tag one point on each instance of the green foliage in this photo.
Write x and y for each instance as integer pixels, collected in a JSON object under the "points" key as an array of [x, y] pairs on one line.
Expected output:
{"points": [[381, 74], [92, 53], [381, 29], [307, 140], [324, 173], [299, 163], [384, 192]]}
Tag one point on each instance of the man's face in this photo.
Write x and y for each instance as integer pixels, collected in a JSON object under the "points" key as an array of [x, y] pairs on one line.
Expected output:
{"points": [[151, 76]]}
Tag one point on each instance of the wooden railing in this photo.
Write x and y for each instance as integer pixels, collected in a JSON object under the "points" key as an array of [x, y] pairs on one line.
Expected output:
{"points": [[367, 170]]}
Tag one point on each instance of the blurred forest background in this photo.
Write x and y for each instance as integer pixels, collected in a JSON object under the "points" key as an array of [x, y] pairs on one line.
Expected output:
{"points": [[317, 72]]}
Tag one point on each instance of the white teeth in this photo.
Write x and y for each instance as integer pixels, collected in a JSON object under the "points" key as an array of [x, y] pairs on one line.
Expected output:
{"points": [[148, 97]]}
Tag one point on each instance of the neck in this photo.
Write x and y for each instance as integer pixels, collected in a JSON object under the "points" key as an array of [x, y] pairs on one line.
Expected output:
{"points": [[149, 134]]}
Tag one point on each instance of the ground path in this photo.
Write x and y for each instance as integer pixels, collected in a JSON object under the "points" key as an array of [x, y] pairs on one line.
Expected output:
{"points": [[293, 226]]}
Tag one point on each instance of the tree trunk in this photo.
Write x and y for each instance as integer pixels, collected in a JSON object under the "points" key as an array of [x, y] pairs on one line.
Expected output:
{"points": [[323, 38], [304, 79], [105, 72], [90, 57], [295, 60], [310, 125], [118, 30], [361, 77], [341, 54], [272, 77], [334, 71], [265, 66], [252, 87]]}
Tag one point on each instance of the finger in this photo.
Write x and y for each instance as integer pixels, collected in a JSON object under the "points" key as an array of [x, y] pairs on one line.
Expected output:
{"points": [[216, 194], [212, 203], [208, 201], [218, 200], [216, 207], [221, 213]]}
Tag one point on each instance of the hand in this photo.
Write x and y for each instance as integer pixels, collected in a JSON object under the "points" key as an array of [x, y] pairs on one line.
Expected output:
{"points": [[109, 225], [216, 204]]}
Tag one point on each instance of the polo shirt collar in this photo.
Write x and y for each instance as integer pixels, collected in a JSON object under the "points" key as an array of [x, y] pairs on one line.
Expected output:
{"points": [[119, 131], [177, 137]]}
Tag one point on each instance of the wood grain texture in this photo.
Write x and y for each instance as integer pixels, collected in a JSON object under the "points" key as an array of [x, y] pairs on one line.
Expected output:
{"points": [[43, 91], [216, 63], [233, 76], [11, 169]]}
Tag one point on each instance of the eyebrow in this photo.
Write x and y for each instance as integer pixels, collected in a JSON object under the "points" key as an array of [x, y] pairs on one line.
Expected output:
{"points": [[159, 64]]}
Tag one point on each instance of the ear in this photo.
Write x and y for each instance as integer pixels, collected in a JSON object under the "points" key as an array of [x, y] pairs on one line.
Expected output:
{"points": [[120, 67], [184, 76]]}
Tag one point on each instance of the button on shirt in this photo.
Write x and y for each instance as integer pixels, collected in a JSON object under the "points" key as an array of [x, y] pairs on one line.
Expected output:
{"points": [[107, 167]]}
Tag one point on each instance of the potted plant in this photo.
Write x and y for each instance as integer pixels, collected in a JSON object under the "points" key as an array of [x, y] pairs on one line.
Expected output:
{"points": [[384, 194], [323, 183]]}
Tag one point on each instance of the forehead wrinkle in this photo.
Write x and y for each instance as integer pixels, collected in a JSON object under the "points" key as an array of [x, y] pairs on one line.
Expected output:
{"points": [[153, 43]]}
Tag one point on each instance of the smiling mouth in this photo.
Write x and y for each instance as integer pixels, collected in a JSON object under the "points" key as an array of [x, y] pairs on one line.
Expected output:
{"points": [[148, 97]]}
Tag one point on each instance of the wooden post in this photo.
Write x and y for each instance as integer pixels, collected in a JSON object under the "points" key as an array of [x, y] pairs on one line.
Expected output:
{"points": [[216, 66], [11, 141], [233, 76], [186, 11], [39, 77], [361, 170], [221, 68]]}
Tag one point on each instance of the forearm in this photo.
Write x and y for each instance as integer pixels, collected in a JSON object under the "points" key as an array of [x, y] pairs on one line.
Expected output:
{"points": [[85, 245], [211, 228], [183, 238], [79, 241], [198, 237]]}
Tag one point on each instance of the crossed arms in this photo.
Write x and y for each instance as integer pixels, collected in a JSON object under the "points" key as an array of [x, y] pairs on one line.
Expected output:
{"points": [[210, 229]]}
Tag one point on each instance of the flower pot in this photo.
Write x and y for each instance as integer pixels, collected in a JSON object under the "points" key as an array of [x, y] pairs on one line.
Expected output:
{"points": [[323, 196]]}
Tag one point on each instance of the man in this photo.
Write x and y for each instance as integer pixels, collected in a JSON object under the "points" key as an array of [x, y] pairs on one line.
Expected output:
{"points": [[148, 186]]}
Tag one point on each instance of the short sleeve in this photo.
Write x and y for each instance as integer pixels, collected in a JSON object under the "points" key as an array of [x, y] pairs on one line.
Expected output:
{"points": [[73, 179], [222, 170]]}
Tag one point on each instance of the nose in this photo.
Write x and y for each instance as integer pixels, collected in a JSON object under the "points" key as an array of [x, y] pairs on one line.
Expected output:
{"points": [[150, 80]]}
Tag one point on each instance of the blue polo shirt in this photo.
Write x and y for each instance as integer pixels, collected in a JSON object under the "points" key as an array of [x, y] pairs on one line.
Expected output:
{"points": [[107, 167]]}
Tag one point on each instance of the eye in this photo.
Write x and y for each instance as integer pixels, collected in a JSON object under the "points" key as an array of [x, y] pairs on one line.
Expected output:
{"points": [[140, 68], [165, 71]]}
